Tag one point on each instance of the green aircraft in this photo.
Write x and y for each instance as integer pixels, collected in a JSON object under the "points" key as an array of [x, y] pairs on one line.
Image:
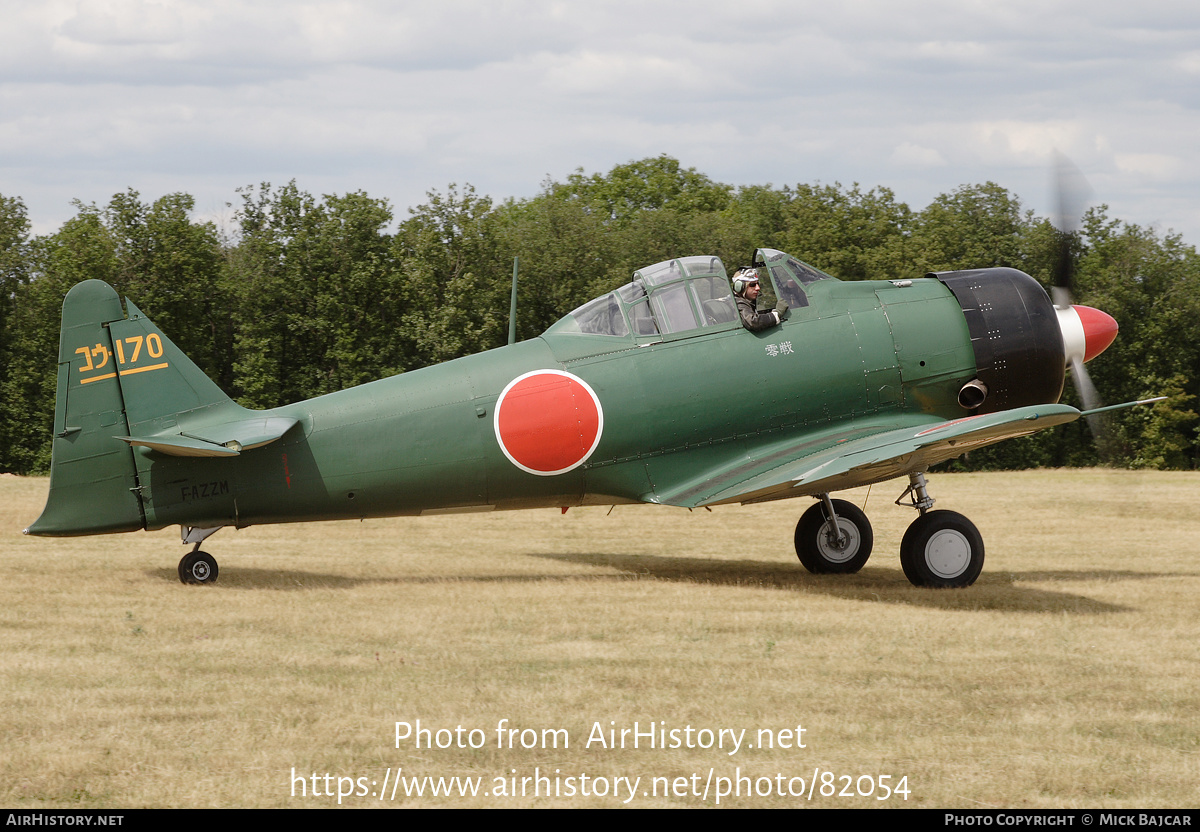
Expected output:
{"points": [[653, 393]]}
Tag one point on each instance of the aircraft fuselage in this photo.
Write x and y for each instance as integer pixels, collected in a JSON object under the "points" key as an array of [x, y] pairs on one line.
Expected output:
{"points": [[427, 441]]}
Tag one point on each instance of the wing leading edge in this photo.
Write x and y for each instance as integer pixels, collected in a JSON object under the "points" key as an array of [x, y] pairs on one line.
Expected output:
{"points": [[859, 452]]}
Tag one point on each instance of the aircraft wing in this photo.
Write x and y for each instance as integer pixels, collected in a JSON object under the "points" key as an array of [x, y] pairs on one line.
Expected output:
{"points": [[860, 452]]}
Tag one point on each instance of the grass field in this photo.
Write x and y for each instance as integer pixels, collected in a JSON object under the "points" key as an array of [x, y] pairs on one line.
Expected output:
{"points": [[1066, 677]]}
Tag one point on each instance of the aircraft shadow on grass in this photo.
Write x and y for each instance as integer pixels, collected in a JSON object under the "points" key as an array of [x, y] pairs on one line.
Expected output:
{"points": [[289, 580], [999, 591], [1004, 591]]}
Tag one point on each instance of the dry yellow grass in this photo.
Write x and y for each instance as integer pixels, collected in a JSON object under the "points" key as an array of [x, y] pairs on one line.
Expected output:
{"points": [[1066, 677]]}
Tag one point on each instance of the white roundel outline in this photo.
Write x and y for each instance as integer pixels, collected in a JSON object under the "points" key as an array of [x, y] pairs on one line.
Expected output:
{"points": [[572, 377]]}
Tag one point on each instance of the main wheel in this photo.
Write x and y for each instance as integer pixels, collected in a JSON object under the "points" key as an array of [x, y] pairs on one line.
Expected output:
{"points": [[198, 568], [821, 551], [942, 549]]}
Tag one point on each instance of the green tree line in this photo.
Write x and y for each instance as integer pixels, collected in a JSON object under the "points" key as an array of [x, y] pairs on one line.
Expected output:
{"points": [[306, 295]]}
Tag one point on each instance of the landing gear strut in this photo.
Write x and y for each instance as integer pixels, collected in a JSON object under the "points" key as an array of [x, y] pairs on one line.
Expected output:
{"points": [[941, 549], [833, 537]]}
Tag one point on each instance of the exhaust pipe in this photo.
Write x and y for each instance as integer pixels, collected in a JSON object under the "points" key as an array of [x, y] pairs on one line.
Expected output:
{"points": [[972, 394]]}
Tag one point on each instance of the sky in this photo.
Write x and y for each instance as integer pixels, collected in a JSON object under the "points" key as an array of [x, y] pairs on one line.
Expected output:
{"points": [[401, 98]]}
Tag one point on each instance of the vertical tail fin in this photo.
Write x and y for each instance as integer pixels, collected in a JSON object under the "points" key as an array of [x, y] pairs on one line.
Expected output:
{"points": [[92, 476], [117, 376]]}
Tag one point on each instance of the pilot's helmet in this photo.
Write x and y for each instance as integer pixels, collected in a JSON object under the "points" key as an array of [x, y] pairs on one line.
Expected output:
{"points": [[743, 279]]}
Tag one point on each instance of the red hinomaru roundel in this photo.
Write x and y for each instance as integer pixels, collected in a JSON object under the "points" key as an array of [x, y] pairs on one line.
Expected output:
{"points": [[548, 422]]}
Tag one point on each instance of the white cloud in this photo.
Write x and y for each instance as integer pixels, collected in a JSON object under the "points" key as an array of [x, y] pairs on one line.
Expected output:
{"points": [[608, 74], [396, 99], [908, 154], [967, 51], [128, 23], [1020, 142], [1189, 62], [1156, 166]]}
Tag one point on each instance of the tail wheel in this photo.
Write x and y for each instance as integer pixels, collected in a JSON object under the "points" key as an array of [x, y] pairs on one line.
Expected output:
{"points": [[942, 549], [198, 568], [824, 552]]}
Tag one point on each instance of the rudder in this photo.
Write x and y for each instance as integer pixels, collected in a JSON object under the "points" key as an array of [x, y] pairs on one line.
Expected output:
{"points": [[118, 378], [93, 479]]}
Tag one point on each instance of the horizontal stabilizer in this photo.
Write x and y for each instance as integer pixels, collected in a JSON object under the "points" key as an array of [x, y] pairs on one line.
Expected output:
{"points": [[223, 439], [245, 433], [179, 445]]}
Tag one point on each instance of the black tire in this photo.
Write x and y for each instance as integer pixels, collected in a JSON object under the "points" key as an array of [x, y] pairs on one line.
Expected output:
{"points": [[198, 568], [819, 555], [942, 549]]}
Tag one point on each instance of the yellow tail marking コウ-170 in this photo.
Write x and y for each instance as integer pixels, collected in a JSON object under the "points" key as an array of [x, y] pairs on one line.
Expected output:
{"points": [[154, 349]]}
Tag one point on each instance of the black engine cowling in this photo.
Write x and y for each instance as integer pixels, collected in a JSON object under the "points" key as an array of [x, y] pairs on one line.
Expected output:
{"points": [[1019, 355]]}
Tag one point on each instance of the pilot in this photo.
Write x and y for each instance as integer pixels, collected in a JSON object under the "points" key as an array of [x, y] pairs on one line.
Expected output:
{"points": [[746, 290]]}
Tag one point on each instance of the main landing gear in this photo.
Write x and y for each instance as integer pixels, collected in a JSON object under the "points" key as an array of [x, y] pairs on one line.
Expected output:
{"points": [[197, 567], [941, 549], [833, 537]]}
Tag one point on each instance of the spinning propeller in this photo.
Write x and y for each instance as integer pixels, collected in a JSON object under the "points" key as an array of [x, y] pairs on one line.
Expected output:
{"points": [[1086, 332]]}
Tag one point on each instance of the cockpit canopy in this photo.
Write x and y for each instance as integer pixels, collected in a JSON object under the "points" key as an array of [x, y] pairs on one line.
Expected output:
{"points": [[788, 275], [688, 293]]}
